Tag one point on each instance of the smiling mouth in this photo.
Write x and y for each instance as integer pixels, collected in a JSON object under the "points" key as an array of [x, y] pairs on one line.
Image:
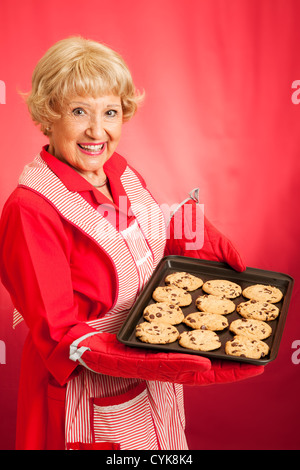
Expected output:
{"points": [[92, 149]]}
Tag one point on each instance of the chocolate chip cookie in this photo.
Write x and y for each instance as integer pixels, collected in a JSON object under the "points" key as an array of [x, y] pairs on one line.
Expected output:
{"points": [[163, 312], [206, 321], [222, 287], [245, 347], [156, 333], [253, 329], [172, 294], [200, 340], [215, 304], [257, 310], [263, 293], [184, 280]]}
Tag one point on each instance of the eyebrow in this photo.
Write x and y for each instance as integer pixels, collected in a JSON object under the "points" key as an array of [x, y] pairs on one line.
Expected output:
{"points": [[87, 105], [114, 106]]}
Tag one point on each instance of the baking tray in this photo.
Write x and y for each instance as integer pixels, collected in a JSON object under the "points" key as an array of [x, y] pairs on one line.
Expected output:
{"points": [[207, 270]]}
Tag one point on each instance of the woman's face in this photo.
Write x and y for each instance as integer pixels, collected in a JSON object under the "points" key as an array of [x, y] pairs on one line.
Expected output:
{"points": [[87, 133]]}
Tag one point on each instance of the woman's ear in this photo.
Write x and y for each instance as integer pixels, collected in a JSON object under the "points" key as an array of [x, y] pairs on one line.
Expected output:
{"points": [[47, 130]]}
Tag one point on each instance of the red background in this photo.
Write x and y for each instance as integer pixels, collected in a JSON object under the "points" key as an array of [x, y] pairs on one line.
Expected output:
{"points": [[219, 115]]}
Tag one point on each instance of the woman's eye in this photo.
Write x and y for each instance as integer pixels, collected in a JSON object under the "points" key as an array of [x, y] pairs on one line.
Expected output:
{"points": [[78, 112], [111, 113]]}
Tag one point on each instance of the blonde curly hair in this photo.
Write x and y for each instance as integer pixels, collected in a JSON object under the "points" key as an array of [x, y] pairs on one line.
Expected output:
{"points": [[78, 66]]}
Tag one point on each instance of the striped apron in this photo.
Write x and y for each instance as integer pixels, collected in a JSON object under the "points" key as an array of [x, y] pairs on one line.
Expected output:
{"points": [[129, 413]]}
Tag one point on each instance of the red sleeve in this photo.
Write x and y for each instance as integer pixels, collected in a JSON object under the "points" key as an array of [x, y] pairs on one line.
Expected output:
{"points": [[35, 269]]}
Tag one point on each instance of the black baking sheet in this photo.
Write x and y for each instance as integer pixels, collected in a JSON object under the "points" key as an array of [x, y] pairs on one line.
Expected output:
{"points": [[207, 270]]}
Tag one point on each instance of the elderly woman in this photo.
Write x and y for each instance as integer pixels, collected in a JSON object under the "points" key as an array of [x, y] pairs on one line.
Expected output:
{"points": [[76, 250]]}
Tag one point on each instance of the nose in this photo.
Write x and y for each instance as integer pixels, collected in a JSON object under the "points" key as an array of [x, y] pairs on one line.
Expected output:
{"points": [[96, 128]]}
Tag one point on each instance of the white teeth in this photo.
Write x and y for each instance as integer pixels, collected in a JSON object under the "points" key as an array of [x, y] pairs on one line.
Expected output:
{"points": [[92, 148]]}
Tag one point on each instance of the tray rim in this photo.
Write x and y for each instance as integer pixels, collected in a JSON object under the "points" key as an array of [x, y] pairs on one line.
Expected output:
{"points": [[166, 263]]}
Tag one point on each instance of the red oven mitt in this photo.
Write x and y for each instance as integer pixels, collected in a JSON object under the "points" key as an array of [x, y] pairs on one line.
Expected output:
{"points": [[104, 354], [191, 234]]}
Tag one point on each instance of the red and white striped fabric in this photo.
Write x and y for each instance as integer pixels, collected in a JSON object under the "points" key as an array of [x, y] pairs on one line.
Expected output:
{"points": [[152, 412], [110, 414]]}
